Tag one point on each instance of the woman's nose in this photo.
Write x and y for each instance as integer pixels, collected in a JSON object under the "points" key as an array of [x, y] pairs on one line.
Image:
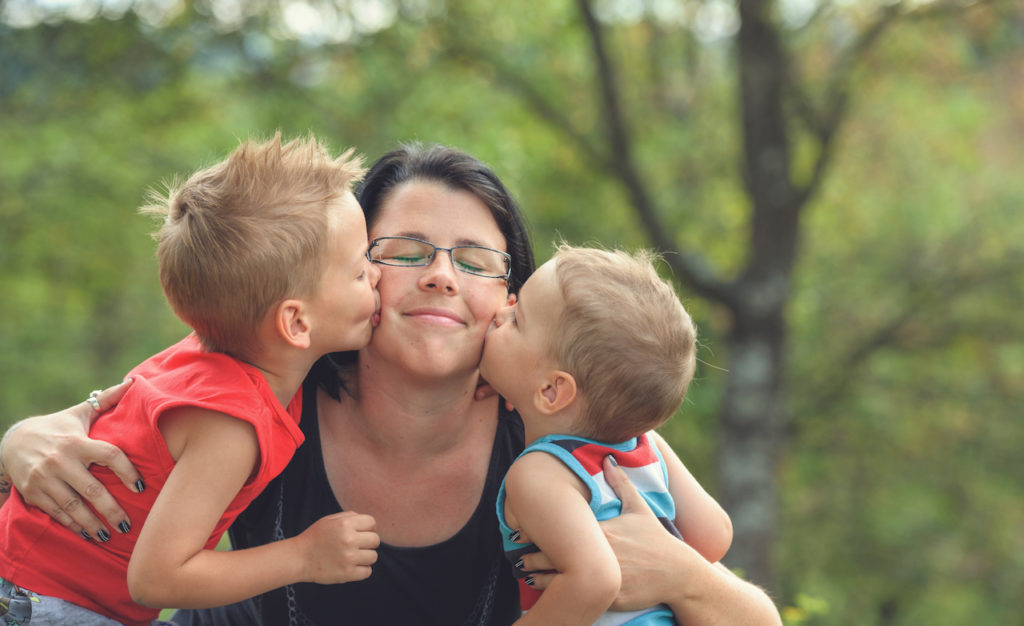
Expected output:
{"points": [[440, 274]]}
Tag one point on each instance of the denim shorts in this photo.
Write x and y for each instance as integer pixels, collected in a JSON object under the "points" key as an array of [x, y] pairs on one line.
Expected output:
{"points": [[21, 607], [15, 604]]}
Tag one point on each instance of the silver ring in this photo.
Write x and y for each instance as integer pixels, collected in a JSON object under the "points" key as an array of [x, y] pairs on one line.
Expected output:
{"points": [[94, 401]]}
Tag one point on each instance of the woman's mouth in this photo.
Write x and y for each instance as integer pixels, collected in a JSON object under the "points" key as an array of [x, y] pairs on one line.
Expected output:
{"points": [[442, 317]]}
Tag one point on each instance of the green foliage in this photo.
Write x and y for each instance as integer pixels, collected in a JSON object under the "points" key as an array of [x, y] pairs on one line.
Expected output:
{"points": [[901, 487]]}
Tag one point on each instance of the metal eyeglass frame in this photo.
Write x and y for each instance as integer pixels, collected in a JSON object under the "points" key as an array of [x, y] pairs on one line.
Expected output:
{"points": [[430, 259]]}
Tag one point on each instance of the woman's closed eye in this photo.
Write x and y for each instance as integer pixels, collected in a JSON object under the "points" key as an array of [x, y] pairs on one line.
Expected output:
{"points": [[469, 267], [407, 258]]}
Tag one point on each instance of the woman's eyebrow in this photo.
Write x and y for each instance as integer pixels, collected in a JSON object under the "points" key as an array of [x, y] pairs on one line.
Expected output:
{"points": [[409, 233], [459, 242], [474, 242]]}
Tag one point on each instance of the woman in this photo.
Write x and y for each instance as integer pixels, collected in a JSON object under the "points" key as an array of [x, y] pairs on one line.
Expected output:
{"points": [[401, 433]]}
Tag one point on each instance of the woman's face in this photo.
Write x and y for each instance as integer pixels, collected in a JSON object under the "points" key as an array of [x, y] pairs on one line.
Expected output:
{"points": [[434, 318]]}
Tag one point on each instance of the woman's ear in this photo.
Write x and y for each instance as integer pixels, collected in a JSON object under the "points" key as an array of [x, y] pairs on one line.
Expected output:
{"points": [[512, 299], [292, 323], [556, 392]]}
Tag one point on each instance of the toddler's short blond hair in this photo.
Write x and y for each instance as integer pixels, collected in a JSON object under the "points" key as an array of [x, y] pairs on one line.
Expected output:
{"points": [[243, 235], [625, 337]]}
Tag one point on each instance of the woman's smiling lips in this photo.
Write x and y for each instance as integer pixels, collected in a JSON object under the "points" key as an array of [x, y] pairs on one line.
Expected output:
{"points": [[443, 317]]}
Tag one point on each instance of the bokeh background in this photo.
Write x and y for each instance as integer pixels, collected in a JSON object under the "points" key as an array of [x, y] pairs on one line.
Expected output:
{"points": [[837, 187]]}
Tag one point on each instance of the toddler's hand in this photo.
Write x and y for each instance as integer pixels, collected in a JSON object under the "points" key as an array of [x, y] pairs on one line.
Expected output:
{"points": [[340, 548]]}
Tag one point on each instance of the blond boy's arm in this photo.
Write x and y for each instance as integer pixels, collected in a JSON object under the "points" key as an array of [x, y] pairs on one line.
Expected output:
{"points": [[703, 522], [549, 505], [170, 566]]}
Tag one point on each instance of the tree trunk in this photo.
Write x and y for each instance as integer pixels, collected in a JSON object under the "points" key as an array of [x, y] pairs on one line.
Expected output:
{"points": [[749, 422], [754, 405]]}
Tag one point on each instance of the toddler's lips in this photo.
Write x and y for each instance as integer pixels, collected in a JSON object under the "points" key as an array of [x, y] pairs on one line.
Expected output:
{"points": [[375, 319]]}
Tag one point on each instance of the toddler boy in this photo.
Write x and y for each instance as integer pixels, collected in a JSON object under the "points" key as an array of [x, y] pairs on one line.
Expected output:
{"points": [[596, 352]]}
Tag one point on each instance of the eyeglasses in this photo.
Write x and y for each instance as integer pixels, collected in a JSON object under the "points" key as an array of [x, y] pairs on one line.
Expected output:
{"points": [[410, 252]]}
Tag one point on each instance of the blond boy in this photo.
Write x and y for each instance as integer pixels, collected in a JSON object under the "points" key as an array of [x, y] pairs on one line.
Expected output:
{"points": [[596, 352], [264, 256]]}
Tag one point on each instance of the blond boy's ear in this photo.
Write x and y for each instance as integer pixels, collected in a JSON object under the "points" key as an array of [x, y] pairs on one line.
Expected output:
{"points": [[292, 323], [556, 392]]}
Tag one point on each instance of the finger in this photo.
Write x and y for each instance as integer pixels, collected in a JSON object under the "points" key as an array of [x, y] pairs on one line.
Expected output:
{"points": [[624, 488], [483, 390], [49, 506], [364, 522], [368, 541], [109, 397], [357, 521], [366, 557], [536, 562], [539, 581], [518, 536], [65, 506], [92, 490], [361, 572], [84, 413], [111, 457]]}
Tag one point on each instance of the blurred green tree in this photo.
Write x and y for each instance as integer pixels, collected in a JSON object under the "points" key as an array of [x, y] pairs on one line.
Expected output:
{"points": [[836, 185]]}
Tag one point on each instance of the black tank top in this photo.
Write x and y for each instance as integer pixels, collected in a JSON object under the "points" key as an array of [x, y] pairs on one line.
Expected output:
{"points": [[463, 580]]}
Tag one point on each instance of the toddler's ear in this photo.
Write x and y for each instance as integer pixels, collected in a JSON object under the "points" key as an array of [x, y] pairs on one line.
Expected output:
{"points": [[292, 323], [556, 392]]}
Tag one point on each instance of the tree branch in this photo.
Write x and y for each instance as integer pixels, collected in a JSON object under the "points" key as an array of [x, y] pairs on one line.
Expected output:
{"points": [[688, 267], [826, 123], [928, 294]]}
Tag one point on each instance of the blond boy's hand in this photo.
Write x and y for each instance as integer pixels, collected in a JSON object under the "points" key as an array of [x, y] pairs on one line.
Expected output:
{"points": [[340, 548]]}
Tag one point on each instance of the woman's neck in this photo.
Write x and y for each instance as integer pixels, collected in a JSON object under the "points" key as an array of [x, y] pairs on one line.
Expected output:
{"points": [[413, 416]]}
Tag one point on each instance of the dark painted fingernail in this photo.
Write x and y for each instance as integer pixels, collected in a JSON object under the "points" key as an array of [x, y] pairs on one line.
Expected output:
{"points": [[529, 580], [613, 461], [86, 535], [514, 535], [124, 526], [103, 535], [140, 486], [519, 564]]}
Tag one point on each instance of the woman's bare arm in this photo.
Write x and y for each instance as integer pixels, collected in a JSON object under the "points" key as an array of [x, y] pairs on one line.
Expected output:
{"points": [[658, 568]]}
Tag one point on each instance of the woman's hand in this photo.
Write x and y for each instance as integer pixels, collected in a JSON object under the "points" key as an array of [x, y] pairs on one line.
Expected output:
{"points": [[641, 544], [47, 460], [654, 563]]}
